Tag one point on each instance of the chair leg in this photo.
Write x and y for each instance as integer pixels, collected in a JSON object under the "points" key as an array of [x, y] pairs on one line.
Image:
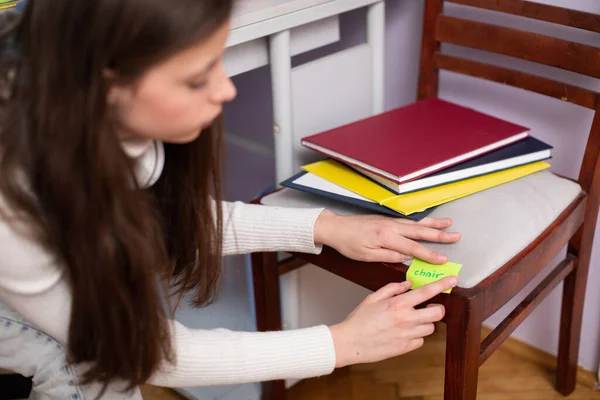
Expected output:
{"points": [[572, 305], [464, 318], [265, 276], [570, 330], [572, 312]]}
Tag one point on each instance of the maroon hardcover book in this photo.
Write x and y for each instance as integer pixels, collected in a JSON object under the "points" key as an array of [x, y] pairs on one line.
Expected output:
{"points": [[414, 141]]}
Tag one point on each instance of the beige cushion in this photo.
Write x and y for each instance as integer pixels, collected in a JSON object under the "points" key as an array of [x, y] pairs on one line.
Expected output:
{"points": [[496, 224]]}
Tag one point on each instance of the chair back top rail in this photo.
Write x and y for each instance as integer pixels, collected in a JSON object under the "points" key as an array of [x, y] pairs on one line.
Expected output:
{"points": [[542, 12], [529, 46]]}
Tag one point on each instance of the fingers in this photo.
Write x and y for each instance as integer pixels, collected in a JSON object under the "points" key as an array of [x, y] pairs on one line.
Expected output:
{"points": [[429, 291], [385, 255], [428, 234], [431, 313], [414, 249], [421, 331], [437, 223], [415, 344], [388, 291], [400, 241], [426, 254]]}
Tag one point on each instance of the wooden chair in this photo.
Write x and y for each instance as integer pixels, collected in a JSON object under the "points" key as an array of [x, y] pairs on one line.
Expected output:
{"points": [[572, 221]]}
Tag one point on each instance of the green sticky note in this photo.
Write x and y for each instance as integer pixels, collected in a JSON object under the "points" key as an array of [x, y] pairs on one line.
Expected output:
{"points": [[421, 272]]}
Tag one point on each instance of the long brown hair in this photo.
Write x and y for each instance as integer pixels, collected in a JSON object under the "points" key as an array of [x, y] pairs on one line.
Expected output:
{"points": [[63, 170]]}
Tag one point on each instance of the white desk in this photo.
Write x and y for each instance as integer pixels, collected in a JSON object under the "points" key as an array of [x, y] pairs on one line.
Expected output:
{"points": [[271, 31], [248, 12], [254, 19]]}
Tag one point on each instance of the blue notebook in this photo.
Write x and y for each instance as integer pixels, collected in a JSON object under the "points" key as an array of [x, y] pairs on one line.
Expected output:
{"points": [[307, 182], [523, 152]]}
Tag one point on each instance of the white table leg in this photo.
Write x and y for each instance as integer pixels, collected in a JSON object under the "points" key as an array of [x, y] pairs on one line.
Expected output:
{"points": [[376, 40], [281, 79], [281, 70], [280, 59]]}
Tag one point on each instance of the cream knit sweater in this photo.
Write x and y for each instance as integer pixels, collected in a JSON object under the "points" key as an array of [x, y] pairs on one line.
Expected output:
{"points": [[33, 285]]}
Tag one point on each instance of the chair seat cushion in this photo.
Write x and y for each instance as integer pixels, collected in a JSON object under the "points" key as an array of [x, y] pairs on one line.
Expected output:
{"points": [[495, 224]]}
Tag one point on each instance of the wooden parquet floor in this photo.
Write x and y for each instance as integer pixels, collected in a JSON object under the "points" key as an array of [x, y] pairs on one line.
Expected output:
{"points": [[515, 371]]}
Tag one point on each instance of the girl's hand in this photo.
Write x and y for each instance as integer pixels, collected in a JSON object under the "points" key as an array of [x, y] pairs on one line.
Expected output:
{"points": [[386, 323], [376, 238]]}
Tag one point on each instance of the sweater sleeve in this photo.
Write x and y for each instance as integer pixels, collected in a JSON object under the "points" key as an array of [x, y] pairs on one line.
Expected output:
{"points": [[33, 284], [249, 228], [220, 356]]}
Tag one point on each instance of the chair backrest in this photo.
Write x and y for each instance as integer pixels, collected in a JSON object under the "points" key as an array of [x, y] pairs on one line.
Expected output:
{"points": [[576, 57]]}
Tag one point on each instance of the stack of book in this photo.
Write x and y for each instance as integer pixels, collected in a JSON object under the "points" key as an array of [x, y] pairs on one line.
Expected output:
{"points": [[407, 161]]}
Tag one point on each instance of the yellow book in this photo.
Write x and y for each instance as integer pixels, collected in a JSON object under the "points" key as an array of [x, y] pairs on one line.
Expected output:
{"points": [[410, 203], [8, 3]]}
